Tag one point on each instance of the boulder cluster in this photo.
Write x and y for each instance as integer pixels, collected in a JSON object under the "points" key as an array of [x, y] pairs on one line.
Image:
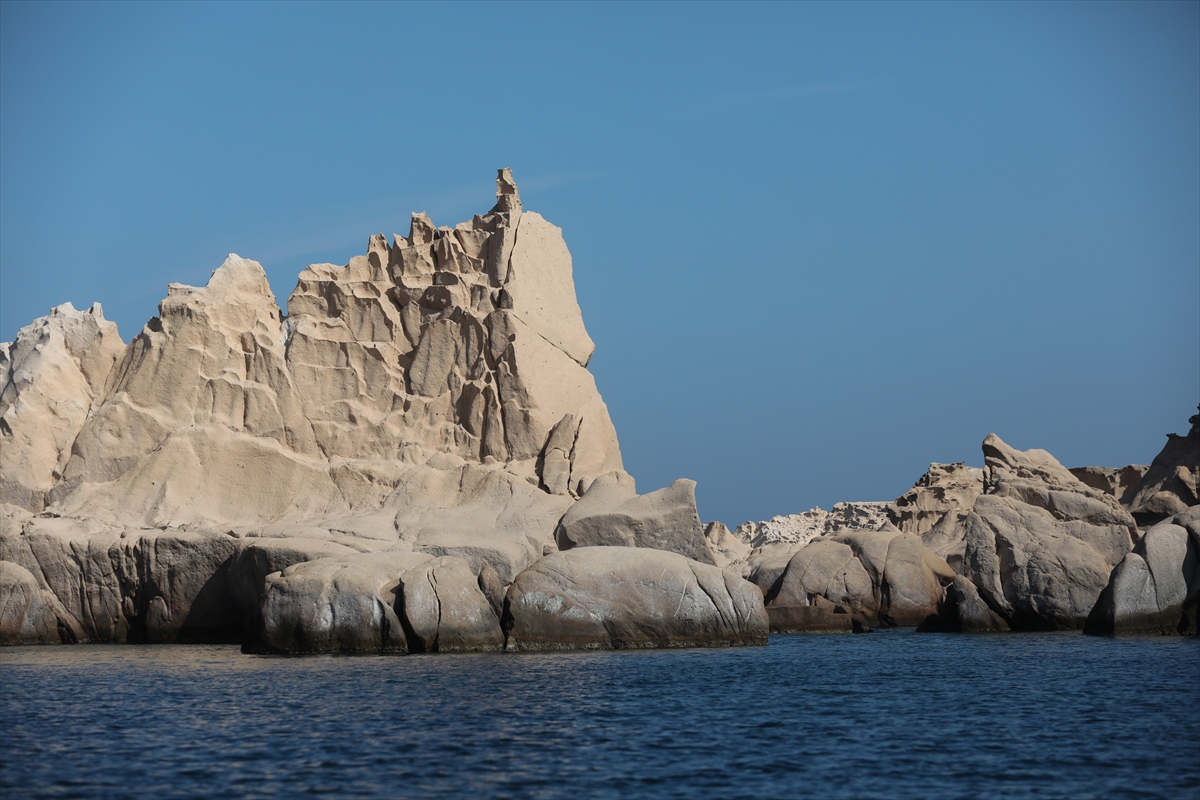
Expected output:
{"points": [[415, 458]]}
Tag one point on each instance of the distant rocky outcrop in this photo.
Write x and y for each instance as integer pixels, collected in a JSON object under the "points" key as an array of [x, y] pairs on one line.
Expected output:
{"points": [[944, 488], [1172, 484], [1038, 544], [803, 528], [1121, 483], [773, 542], [881, 578]]}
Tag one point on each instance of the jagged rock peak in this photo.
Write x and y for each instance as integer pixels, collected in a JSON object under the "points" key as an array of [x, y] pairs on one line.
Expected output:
{"points": [[54, 376], [453, 347]]}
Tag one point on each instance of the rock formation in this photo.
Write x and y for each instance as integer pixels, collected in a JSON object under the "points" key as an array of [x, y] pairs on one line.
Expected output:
{"points": [[54, 376], [944, 488], [612, 513], [1038, 543], [625, 597], [881, 577], [29, 614], [367, 472], [800, 529], [1156, 587], [1172, 484], [415, 458], [1121, 483]]}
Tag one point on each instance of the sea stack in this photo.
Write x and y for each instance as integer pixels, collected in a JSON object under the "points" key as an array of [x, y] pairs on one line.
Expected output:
{"points": [[422, 416]]}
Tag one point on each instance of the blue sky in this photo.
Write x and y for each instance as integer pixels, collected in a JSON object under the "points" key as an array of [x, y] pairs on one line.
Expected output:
{"points": [[818, 245]]}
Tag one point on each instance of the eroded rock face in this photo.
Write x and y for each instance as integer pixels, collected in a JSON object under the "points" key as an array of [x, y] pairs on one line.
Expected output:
{"points": [[630, 597], [448, 349], [1156, 586], [337, 604], [1121, 483], [52, 377], [118, 585], [1172, 484], [882, 577], [944, 488], [726, 549], [612, 513], [1038, 544], [429, 396], [445, 610], [799, 529], [28, 613]]}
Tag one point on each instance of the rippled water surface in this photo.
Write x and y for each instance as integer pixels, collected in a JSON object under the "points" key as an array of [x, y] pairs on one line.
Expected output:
{"points": [[893, 714]]}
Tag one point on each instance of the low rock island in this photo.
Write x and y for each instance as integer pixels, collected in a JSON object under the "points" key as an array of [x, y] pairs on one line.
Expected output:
{"points": [[415, 458]]}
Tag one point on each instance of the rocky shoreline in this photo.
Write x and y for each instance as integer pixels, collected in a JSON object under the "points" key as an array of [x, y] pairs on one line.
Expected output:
{"points": [[415, 458]]}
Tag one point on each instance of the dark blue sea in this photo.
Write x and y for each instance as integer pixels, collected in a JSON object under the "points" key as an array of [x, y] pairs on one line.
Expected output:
{"points": [[888, 715]]}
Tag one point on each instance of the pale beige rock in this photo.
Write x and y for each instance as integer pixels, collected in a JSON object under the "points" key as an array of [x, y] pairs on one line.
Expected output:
{"points": [[765, 565], [445, 611], [612, 514], [1121, 482], [1034, 477], [1038, 544], [1155, 588], [726, 549], [882, 577], [944, 488], [803, 528], [1172, 484], [542, 289], [403, 355], [493, 589], [28, 613], [259, 558], [51, 378], [335, 604], [776, 540], [630, 597], [431, 394]]}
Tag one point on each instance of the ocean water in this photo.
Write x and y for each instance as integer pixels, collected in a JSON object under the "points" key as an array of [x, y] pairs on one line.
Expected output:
{"points": [[889, 715]]}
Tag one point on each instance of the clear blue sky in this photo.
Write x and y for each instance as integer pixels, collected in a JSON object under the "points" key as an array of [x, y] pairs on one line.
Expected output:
{"points": [[818, 246]]}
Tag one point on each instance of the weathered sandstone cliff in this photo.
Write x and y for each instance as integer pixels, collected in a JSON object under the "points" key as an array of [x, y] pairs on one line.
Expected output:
{"points": [[318, 479], [415, 458]]}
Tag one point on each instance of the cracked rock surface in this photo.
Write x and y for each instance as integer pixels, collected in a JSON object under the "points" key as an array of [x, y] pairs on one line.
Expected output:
{"points": [[428, 400], [1039, 544], [630, 597]]}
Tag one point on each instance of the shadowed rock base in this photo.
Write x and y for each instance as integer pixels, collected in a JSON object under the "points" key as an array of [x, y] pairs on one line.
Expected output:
{"points": [[1156, 587], [963, 611], [808, 619]]}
